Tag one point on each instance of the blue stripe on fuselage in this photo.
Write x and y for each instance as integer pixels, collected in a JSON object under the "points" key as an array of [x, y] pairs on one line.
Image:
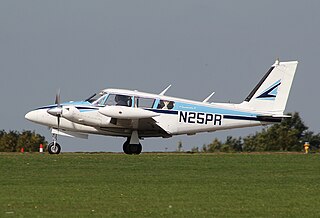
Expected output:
{"points": [[80, 105], [212, 109], [226, 113]]}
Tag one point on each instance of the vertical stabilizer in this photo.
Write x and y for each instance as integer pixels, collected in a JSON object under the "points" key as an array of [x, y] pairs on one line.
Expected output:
{"points": [[271, 94]]}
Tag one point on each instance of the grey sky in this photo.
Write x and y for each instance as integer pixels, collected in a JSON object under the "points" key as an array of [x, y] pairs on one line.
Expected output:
{"points": [[197, 46]]}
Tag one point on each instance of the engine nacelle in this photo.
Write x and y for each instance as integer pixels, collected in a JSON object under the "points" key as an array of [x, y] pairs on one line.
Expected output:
{"points": [[91, 118], [121, 112]]}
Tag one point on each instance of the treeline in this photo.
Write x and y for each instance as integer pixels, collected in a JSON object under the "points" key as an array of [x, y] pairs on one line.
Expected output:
{"points": [[13, 141], [289, 135]]}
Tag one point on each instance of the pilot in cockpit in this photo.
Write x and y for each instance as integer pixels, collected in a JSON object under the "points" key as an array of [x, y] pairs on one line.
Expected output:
{"points": [[122, 100]]}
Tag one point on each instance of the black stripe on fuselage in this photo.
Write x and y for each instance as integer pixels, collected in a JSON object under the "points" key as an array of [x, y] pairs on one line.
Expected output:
{"points": [[233, 117], [46, 107], [163, 111], [86, 108]]}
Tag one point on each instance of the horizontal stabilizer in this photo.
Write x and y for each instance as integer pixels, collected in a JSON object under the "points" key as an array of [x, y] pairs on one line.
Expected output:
{"points": [[282, 116], [272, 118]]}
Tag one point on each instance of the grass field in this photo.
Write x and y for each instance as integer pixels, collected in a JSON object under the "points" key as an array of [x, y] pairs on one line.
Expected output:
{"points": [[155, 185]]}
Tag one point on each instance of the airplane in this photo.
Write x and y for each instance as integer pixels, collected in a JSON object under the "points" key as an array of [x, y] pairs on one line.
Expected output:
{"points": [[136, 115]]}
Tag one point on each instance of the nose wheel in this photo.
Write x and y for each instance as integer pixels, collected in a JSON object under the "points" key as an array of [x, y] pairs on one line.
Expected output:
{"points": [[54, 147]]}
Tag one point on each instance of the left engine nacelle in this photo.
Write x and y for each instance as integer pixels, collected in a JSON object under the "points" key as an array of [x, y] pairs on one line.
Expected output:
{"points": [[89, 117]]}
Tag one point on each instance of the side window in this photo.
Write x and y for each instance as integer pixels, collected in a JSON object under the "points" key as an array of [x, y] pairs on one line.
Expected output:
{"points": [[144, 102], [165, 105], [119, 100]]}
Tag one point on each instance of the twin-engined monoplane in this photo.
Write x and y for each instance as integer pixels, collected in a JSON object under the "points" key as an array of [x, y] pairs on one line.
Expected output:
{"points": [[136, 115]]}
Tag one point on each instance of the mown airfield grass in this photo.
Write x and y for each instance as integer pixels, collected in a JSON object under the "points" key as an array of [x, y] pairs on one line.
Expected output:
{"points": [[154, 185]]}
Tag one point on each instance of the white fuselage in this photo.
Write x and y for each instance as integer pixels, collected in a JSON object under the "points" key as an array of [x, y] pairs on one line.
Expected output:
{"points": [[157, 120]]}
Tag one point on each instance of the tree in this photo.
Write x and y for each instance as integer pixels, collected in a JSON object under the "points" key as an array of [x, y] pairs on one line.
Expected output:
{"points": [[13, 141], [289, 135], [285, 136], [232, 144], [250, 143], [8, 141], [30, 141], [215, 145]]}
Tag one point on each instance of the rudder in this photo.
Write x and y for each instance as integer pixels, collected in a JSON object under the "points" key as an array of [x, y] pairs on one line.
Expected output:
{"points": [[271, 94]]}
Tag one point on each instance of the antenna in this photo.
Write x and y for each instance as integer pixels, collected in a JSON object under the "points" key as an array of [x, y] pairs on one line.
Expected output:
{"points": [[207, 99], [165, 90]]}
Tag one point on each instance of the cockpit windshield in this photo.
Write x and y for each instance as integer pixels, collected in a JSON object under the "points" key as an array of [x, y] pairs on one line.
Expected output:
{"points": [[95, 97], [104, 99], [119, 100]]}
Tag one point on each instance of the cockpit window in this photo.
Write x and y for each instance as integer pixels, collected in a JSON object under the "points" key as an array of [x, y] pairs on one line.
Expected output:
{"points": [[95, 97], [165, 105], [118, 100], [144, 102], [101, 101]]}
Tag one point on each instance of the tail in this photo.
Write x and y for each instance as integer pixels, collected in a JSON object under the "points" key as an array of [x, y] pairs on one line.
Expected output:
{"points": [[271, 94]]}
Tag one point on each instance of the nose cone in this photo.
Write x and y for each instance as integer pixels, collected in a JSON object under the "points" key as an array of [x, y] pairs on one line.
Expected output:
{"points": [[32, 116]]}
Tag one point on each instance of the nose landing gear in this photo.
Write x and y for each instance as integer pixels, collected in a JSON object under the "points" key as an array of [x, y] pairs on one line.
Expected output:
{"points": [[54, 147]]}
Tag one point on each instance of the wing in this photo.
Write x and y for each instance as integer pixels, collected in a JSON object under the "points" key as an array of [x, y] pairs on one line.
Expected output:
{"points": [[147, 127], [135, 118]]}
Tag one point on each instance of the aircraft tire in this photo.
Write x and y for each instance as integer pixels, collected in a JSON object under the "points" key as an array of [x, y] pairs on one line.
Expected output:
{"points": [[135, 148], [126, 147], [53, 150], [139, 149]]}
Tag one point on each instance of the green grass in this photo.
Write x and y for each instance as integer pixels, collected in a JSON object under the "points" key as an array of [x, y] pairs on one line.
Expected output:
{"points": [[155, 185]]}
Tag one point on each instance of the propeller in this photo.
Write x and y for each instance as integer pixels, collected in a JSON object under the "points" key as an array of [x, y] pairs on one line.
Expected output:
{"points": [[57, 101], [56, 111]]}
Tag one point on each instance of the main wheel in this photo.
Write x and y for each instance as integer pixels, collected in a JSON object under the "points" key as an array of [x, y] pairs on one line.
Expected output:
{"points": [[54, 148], [125, 147], [139, 149], [135, 148]]}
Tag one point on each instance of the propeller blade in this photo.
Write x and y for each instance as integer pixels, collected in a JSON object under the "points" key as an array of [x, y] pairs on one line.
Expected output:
{"points": [[56, 111], [58, 117], [57, 101]]}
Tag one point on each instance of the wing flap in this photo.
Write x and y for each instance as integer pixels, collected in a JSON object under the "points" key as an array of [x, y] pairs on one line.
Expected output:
{"points": [[147, 127]]}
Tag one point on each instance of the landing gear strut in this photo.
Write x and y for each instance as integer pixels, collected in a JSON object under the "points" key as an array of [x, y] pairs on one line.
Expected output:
{"points": [[54, 147], [132, 145]]}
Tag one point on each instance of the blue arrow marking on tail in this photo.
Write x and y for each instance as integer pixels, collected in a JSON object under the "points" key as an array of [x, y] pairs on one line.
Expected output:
{"points": [[271, 92]]}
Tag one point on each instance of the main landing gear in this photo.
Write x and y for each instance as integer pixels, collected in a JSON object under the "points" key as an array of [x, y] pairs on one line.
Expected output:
{"points": [[131, 148], [132, 145], [54, 147]]}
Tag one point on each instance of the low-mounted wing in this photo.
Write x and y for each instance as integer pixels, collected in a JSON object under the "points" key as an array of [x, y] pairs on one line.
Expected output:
{"points": [[135, 118]]}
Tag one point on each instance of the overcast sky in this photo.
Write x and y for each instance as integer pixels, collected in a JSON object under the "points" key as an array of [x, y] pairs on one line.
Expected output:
{"points": [[197, 46]]}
